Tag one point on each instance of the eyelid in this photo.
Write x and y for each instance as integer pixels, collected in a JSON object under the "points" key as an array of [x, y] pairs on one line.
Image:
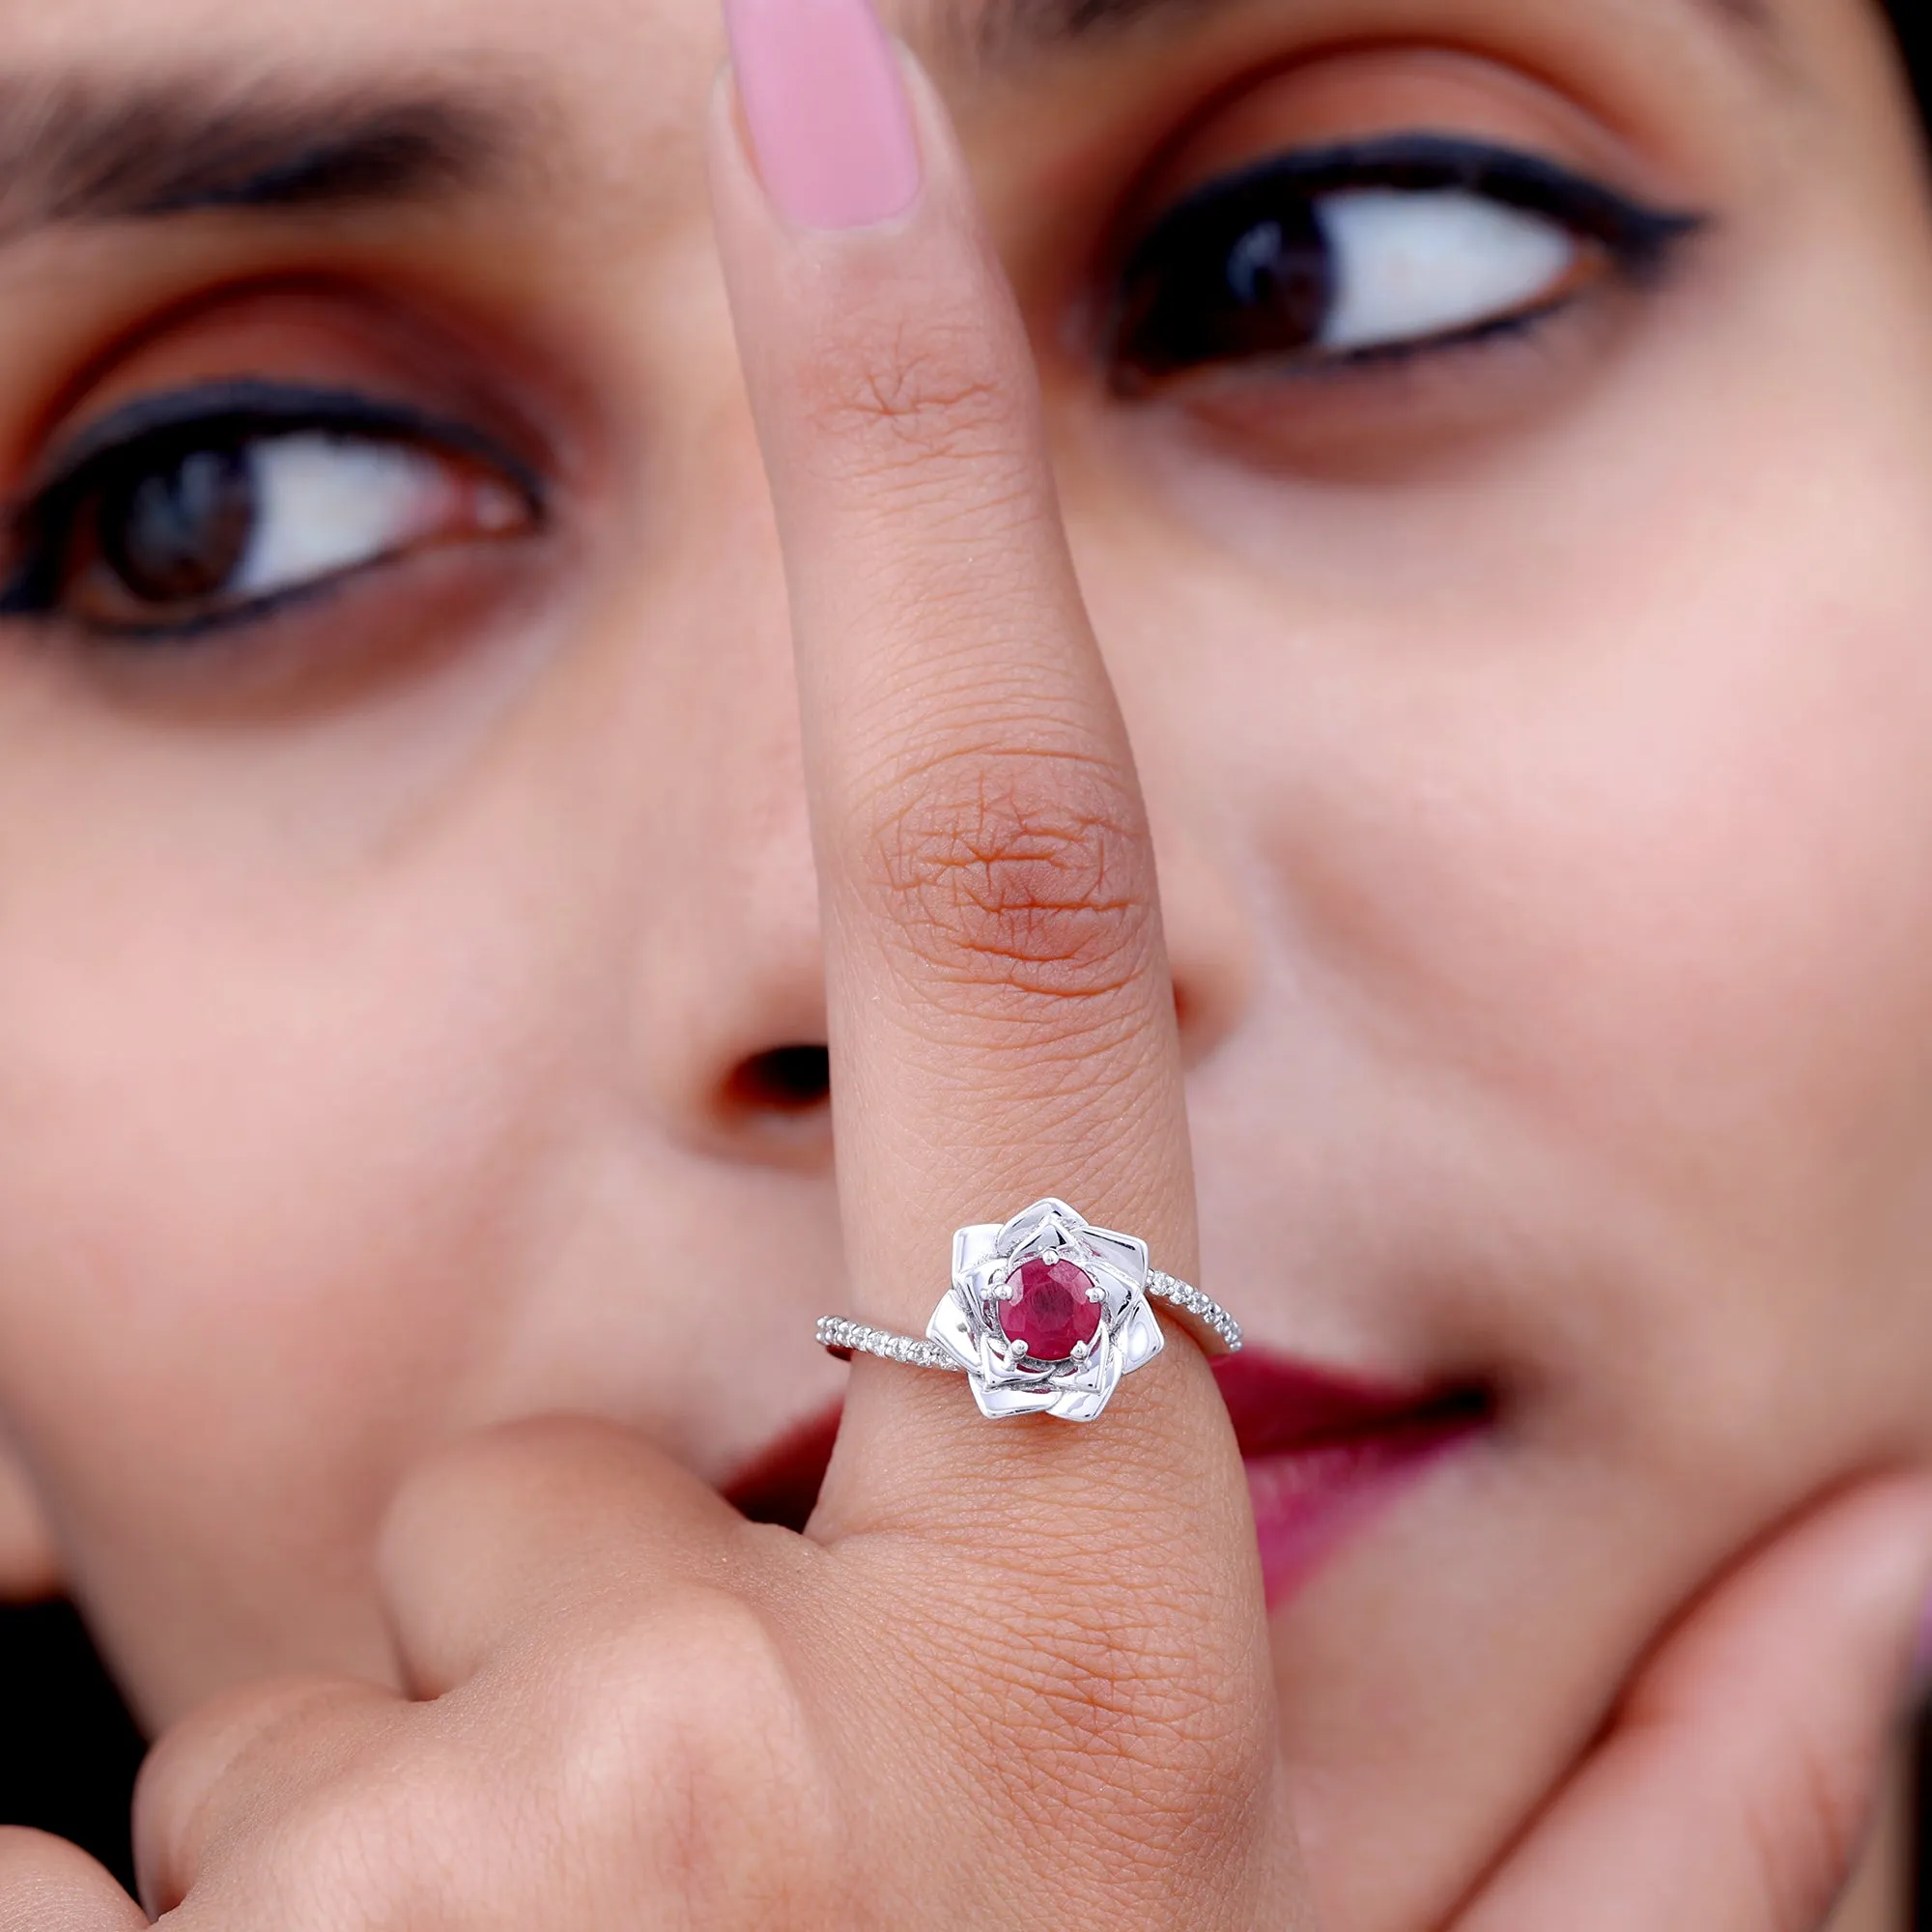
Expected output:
{"points": [[1422, 162], [1638, 237], [253, 406], [233, 409]]}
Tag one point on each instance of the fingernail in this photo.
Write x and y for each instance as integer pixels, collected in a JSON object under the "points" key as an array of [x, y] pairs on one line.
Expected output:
{"points": [[824, 102]]}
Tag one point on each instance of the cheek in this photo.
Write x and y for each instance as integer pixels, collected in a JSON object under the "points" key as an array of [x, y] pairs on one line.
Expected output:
{"points": [[256, 1143], [1595, 881], [1679, 894], [1652, 881], [1591, 790]]}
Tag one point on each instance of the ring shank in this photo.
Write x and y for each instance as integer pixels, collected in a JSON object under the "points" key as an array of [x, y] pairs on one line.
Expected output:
{"points": [[1205, 1320], [846, 1338]]}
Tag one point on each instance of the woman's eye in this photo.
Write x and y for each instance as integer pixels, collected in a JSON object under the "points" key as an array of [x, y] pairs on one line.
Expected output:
{"points": [[196, 521], [1406, 268], [1374, 250]]}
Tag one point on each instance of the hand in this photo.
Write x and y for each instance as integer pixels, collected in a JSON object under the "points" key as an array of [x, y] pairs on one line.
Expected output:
{"points": [[1016, 1675], [1729, 1795]]}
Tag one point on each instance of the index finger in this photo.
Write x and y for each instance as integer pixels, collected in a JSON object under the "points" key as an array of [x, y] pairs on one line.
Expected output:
{"points": [[1002, 1019]]}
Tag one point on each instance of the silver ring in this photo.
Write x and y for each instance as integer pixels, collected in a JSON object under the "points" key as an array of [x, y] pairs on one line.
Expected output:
{"points": [[1044, 1316]]}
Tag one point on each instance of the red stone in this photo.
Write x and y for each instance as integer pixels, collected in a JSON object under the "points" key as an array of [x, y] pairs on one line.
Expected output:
{"points": [[1052, 1312]]}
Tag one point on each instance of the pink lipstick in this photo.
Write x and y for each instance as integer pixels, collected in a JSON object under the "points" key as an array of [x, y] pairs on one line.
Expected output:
{"points": [[1323, 1453]]}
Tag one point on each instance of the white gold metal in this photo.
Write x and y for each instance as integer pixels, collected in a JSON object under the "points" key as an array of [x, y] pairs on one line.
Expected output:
{"points": [[966, 1338], [1203, 1313], [846, 1338]]}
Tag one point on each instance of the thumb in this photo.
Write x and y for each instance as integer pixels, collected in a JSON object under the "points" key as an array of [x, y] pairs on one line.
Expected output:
{"points": [[48, 1884], [1733, 1787]]}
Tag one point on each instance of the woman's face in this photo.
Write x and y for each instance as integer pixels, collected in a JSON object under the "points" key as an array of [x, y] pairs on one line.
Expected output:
{"points": [[1496, 438]]}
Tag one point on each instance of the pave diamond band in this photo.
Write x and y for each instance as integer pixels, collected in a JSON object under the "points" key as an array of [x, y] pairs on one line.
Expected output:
{"points": [[846, 1338], [1203, 1309], [1046, 1312]]}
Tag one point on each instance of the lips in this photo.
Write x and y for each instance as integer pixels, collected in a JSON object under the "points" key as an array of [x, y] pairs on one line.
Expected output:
{"points": [[780, 1483], [1324, 1452]]}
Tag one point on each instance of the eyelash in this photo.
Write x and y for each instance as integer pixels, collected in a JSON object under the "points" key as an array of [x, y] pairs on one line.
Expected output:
{"points": [[147, 436], [1162, 324], [1177, 283]]}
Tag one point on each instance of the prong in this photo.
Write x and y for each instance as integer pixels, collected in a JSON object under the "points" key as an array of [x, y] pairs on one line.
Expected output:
{"points": [[1080, 1351], [1096, 1294]]}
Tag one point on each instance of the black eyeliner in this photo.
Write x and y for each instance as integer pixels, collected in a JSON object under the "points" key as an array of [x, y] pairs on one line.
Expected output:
{"points": [[1638, 235], [1193, 241], [225, 413]]}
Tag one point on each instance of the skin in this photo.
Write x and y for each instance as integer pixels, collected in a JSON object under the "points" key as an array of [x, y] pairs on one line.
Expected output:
{"points": [[1531, 749]]}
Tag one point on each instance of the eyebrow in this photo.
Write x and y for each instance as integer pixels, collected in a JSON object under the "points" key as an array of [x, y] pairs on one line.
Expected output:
{"points": [[1002, 28], [75, 151], [78, 151]]}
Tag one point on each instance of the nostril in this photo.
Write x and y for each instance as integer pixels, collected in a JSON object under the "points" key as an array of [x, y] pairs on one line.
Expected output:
{"points": [[786, 1080]]}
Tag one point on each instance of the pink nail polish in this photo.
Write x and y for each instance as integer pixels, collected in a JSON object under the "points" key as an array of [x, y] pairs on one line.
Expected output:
{"points": [[825, 104]]}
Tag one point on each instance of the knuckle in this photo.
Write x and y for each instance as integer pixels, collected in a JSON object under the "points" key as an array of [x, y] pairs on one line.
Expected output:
{"points": [[378, 1843], [1023, 875], [901, 396], [543, 1472], [454, 1483], [660, 1761], [192, 1782], [477, 1468], [688, 1756]]}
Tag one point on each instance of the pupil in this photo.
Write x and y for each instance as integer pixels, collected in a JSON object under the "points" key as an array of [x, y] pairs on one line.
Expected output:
{"points": [[178, 532], [1255, 263], [1229, 276]]}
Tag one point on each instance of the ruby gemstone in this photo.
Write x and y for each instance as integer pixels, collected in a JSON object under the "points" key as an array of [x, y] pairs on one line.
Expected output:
{"points": [[1052, 1312]]}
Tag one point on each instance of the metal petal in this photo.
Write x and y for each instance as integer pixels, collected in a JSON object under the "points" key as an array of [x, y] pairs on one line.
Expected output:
{"points": [[1102, 1369], [1138, 1338], [991, 1367], [972, 1248], [952, 1327], [998, 1403], [1125, 1254], [1041, 1225], [1083, 1405]]}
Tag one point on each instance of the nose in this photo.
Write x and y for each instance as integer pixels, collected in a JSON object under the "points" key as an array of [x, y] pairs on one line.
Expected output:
{"points": [[727, 1007], [729, 1001], [727, 1004]]}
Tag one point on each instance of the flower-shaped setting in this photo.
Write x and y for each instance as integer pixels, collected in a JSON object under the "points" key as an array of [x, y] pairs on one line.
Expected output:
{"points": [[1046, 1314]]}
